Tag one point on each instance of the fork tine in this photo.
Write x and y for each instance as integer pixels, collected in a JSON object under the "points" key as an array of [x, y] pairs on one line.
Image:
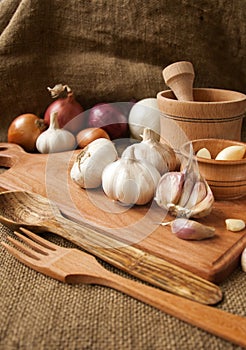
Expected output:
{"points": [[25, 249], [30, 261], [36, 246], [43, 242]]}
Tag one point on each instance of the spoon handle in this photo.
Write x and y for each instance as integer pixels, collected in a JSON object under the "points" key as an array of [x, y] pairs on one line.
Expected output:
{"points": [[136, 262]]}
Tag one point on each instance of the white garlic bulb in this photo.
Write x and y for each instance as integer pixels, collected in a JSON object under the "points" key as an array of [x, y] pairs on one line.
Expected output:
{"points": [[91, 161], [55, 139], [160, 155], [130, 181]]}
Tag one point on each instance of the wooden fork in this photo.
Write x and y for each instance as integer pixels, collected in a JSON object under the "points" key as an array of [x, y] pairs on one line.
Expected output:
{"points": [[75, 266]]}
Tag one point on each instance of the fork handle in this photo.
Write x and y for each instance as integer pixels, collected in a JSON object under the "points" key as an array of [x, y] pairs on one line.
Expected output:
{"points": [[226, 325], [136, 262]]}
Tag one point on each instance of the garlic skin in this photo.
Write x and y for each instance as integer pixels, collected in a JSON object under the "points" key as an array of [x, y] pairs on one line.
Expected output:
{"points": [[243, 260], [54, 139], [191, 230], [167, 153], [130, 181], [185, 193], [91, 161], [161, 156]]}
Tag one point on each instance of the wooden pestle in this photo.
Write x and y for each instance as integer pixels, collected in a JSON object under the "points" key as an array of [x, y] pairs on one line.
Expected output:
{"points": [[179, 76]]}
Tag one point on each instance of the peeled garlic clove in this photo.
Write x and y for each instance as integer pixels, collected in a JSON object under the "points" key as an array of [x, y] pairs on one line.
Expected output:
{"points": [[169, 189], [243, 260], [231, 153], [204, 153], [191, 230], [234, 225], [91, 161]]}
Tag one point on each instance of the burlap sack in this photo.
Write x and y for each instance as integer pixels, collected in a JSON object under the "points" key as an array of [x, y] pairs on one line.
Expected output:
{"points": [[106, 50], [111, 50]]}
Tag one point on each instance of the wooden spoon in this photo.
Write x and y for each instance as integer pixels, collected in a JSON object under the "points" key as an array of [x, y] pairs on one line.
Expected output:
{"points": [[37, 213]]}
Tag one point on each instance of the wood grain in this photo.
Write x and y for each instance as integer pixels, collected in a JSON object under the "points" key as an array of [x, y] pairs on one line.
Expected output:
{"points": [[213, 259], [75, 266]]}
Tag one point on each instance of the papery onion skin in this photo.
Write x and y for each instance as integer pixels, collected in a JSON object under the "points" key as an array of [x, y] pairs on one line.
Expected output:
{"points": [[70, 113], [86, 136], [25, 129], [110, 119]]}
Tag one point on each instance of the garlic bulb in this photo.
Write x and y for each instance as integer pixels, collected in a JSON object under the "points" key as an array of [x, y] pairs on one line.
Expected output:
{"points": [[91, 161], [55, 139], [151, 139], [130, 181], [160, 155], [185, 193]]}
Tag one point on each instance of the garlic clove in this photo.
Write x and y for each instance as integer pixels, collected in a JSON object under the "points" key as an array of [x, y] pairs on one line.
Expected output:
{"points": [[191, 230], [205, 206], [199, 192], [231, 153], [235, 225], [243, 260], [169, 189], [204, 153]]}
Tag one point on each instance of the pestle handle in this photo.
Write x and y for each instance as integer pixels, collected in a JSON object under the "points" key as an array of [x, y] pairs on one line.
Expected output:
{"points": [[179, 76]]}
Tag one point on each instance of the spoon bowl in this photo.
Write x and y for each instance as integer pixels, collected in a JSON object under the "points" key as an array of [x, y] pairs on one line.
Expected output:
{"points": [[37, 213], [26, 209]]}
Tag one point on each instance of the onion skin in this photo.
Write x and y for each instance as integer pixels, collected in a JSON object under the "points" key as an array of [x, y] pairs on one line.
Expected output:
{"points": [[70, 113], [86, 136], [110, 119], [25, 129]]}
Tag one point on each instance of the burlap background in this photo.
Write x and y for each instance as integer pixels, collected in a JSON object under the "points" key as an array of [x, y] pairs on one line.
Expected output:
{"points": [[106, 50], [114, 50]]}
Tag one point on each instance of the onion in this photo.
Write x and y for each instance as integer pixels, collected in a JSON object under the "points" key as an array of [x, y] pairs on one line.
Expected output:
{"points": [[110, 119], [70, 112], [25, 129], [144, 114], [86, 136]]}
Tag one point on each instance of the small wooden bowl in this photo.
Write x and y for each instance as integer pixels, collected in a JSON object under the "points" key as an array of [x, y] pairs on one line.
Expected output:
{"points": [[227, 179]]}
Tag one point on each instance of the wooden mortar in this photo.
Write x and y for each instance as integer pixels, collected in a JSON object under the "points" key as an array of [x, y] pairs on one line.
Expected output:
{"points": [[197, 113]]}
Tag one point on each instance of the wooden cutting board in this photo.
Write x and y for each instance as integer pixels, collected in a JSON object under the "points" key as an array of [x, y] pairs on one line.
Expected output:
{"points": [[49, 175]]}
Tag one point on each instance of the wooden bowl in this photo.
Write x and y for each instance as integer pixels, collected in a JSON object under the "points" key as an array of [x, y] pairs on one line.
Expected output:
{"points": [[214, 113], [227, 179]]}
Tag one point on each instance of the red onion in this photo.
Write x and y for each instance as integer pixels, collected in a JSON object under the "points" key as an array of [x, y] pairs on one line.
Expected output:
{"points": [[70, 112], [110, 119]]}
